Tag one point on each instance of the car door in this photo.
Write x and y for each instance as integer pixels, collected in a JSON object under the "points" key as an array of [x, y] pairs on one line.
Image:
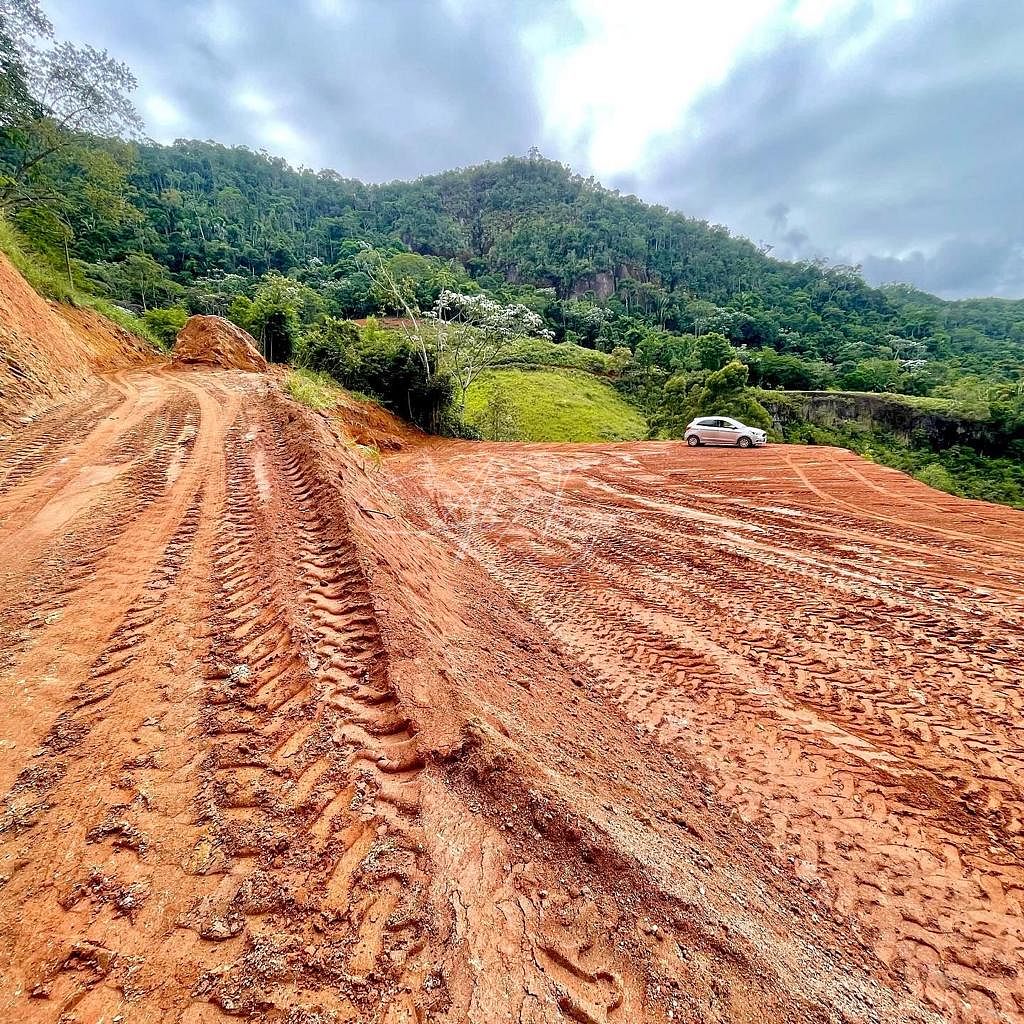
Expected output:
{"points": [[713, 432], [708, 430], [728, 431]]}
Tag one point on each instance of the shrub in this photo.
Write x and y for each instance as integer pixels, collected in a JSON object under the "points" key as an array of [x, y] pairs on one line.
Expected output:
{"points": [[164, 324], [382, 364], [938, 477], [723, 392], [541, 352], [331, 346]]}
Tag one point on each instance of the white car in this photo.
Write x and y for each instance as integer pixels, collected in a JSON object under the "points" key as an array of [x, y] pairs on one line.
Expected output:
{"points": [[723, 430]]}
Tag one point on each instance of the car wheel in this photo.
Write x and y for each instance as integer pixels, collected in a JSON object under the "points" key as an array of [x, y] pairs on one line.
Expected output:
{"points": [[693, 441], [745, 442]]}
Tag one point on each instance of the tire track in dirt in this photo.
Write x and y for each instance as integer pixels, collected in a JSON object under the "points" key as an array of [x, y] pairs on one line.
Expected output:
{"points": [[826, 532], [564, 950], [77, 441], [900, 523], [273, 752], [312, 792], [41, 446], [987, 517], [103, 560], [80, 944], [870, 730], [113, 784]]}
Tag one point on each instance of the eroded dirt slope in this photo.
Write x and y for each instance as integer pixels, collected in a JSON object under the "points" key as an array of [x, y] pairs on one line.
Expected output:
{"points": [[50, 352], [494, 733]]}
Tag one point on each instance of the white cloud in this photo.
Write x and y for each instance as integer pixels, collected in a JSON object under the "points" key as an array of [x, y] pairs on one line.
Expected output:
{"points": [[281, 138], [222, 22], [642, 65], [161, 114], [254, 102], [637, 70]]}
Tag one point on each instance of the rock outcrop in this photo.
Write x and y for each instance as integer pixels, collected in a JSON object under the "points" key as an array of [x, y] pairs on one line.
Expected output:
{"points": [[918, 423], [214, 341]]}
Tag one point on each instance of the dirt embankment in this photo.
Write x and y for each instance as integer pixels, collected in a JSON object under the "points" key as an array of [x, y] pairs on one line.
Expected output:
{"points": [[50, 352]]}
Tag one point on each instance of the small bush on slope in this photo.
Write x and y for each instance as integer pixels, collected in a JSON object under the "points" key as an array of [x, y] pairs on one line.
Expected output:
{"points": [[314, 390], [938, 477]]}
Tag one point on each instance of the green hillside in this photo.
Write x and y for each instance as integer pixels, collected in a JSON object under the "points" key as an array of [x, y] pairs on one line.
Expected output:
{"points": [[559, 405]]}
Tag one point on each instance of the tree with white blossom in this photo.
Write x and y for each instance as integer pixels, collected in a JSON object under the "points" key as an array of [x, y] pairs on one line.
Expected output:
{"points": [[473, 331]]}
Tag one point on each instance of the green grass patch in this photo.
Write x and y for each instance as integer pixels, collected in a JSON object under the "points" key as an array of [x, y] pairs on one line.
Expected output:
{"points": [[560, 405], [46, 279], [321, 392], [317, 391], [541, 352]]}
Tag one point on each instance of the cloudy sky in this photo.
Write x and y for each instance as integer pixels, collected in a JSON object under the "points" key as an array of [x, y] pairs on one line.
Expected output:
{"points": [[886, 133]]}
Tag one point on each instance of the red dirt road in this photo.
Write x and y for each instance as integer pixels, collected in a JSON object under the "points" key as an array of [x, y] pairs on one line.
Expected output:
{"points": [[495, 733]]}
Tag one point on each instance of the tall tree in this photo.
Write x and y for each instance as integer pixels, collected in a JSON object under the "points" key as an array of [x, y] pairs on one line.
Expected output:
{"points": [[19, 21], [59, 93], [474, 330]]}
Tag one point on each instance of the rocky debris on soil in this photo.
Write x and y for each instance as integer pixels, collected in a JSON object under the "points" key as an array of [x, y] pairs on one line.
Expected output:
{"points": [[214, 341]]}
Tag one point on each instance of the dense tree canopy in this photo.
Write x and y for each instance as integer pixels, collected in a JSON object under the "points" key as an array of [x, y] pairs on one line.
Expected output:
{"points": [[601, 268]]}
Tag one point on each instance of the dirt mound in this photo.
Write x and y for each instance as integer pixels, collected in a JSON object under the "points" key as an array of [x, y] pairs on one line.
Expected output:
{"points": [[214, 341], [50, 352]]}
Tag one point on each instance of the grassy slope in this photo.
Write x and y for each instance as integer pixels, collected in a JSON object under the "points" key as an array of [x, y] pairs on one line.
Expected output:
{"points": [[317, 391], [52, 283], [561, 405]]}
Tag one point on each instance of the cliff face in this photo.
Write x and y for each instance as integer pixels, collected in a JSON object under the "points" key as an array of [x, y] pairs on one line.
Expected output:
{"points": [[601, 284], [890, 414]]}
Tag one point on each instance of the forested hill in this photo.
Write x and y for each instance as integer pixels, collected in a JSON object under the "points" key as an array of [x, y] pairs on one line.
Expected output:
{"points": [[201, 209], [529, 220]]}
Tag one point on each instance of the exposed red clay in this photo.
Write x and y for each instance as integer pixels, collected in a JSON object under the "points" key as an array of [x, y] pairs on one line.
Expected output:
{"points": [[50, 353], [216, 342], [495, 732]]}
